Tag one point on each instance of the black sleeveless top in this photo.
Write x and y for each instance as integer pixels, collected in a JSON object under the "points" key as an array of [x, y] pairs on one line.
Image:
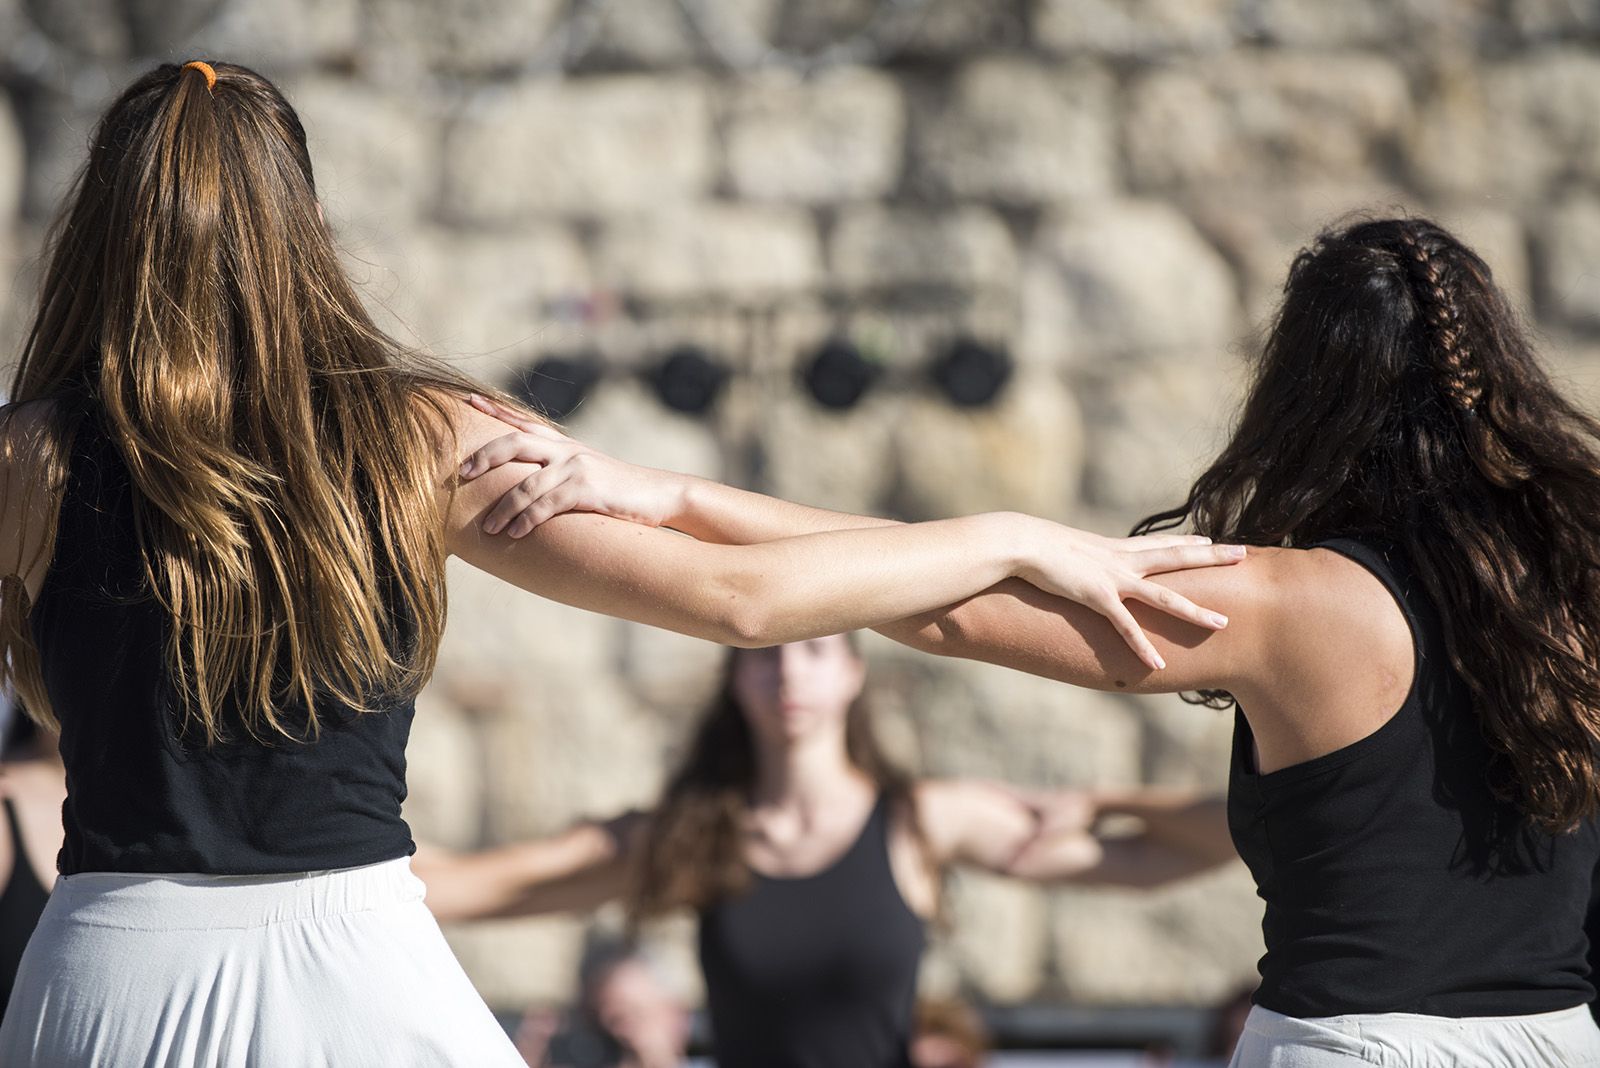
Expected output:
{"points": [[21, 903], [1393, 880], [140, 798], [818, 971]]}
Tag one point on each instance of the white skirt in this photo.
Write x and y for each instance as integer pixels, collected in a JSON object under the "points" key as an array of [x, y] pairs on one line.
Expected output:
{"points": [[336, 969], [1565, 1039]]}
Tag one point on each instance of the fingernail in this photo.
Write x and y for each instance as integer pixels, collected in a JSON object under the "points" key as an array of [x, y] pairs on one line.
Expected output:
{"points": [[466, 468], [1236, 551], [473, 398], [1204, 540], [491, 528], [1218, 620]]}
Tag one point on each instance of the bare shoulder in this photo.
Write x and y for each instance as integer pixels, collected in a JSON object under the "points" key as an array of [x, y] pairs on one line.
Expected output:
{"points": [[1340, 660]]}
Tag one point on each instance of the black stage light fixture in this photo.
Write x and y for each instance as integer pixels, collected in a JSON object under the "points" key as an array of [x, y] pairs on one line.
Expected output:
{"points": [[838, 375], [970, 373], [556, 385], [688, 379]]}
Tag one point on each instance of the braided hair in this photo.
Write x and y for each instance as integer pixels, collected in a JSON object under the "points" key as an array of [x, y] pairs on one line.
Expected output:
{"points": [[1397, 399]]}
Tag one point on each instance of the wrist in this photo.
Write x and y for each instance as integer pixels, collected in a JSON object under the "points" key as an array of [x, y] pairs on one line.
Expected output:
{"points": [[685, 497], [1022, 543]]}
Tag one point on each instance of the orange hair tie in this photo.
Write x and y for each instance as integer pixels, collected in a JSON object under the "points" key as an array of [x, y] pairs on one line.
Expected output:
{"points": [[204, 68]]}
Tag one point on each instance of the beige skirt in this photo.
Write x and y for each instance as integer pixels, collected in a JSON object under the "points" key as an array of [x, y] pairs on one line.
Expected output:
{"points": [[337, 969]]}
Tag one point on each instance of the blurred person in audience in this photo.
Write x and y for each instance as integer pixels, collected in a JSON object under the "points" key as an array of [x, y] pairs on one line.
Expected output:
{"points": [[1412, 651], [625, 1017], [813, 862], [32, 788], [227, 499], [948, 1033]]}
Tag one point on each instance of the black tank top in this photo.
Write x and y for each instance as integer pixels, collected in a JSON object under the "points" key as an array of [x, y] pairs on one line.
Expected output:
{"points": [[1393, 880], [21, 903], [818, 971], [140, 798]]}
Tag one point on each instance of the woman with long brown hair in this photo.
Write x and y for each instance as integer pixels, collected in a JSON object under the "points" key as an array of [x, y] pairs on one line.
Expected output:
{"points": [[812, 863], [227, 503], [1413, 653]]}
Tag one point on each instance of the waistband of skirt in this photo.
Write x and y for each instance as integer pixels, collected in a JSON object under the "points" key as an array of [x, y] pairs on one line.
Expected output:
{"points": [[180, 901], [1275, 1025]]}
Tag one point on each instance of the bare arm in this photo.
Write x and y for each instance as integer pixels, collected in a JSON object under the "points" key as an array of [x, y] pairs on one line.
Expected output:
{"points": [[816, 583], [577, 870], [1182, 834], [1049, 836]]}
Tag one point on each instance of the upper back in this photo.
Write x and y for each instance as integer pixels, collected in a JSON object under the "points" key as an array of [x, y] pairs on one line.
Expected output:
{"points": [[1395, 879], [145, 792]]}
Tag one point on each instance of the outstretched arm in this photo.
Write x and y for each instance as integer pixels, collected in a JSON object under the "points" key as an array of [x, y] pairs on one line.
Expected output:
{"points": [[541, 474], [577, 870], [1051, 836], [1181, 834]]}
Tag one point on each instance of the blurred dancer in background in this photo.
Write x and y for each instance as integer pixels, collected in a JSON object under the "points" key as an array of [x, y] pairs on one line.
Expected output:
{"points": [[813, 863]]}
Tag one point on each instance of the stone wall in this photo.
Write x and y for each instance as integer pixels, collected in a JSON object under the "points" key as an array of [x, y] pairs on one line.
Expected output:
{"points": [[1110, 189]]}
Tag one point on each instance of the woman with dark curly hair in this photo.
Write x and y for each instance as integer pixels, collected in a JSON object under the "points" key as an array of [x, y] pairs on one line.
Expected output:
{"points": [[1413, 653]]}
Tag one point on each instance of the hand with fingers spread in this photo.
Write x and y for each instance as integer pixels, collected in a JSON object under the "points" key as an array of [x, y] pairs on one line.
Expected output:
{"points": [[1098, 572], [1103, 573]]}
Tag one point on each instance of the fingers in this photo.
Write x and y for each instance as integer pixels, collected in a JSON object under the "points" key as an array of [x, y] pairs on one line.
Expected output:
{"points": [[1183, 557], [519, 498], [490, 406], [1175, 604], [524, 447], [1161, 541], [1129, 629]]}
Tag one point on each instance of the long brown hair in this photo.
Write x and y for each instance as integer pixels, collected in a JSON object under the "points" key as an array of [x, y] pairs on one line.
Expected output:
{"points": [[282, 450], [1398, 399], [692, 853]]}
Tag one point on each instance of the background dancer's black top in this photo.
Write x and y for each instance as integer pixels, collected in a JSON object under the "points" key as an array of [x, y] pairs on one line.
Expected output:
{"points": [[1393, 880], [818, 971], [140, 798]]}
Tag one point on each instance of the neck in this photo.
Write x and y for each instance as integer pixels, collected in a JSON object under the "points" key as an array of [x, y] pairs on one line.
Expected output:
{"points": [[805, 774]]}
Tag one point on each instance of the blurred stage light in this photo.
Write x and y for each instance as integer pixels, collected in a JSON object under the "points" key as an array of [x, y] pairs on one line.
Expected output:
{"points": [[970, 373], [556, 385], [688, 379], [838, 375]]}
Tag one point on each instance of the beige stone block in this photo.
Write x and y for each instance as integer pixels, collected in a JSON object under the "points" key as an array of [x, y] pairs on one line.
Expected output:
{"points": [[884, 248], [710, 250], [836, 137], [1023, 453], [588, 147], [1569, 250], [1265, 118], [1135, 27], [1154, 427], [374, 153], [1019, 132], [1130, 277], [412, 37], [280, 35]]}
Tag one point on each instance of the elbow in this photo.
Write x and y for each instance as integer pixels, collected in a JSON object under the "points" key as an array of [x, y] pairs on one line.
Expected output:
{"points": [[746, 617], [747, 626]]}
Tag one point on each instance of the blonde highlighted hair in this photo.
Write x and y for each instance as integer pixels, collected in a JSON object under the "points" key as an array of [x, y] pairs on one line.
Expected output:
{"points": [[282, 450]]}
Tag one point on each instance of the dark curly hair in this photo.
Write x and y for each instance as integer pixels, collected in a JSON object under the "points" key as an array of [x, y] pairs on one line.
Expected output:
{"points": [[1398, 399]]}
